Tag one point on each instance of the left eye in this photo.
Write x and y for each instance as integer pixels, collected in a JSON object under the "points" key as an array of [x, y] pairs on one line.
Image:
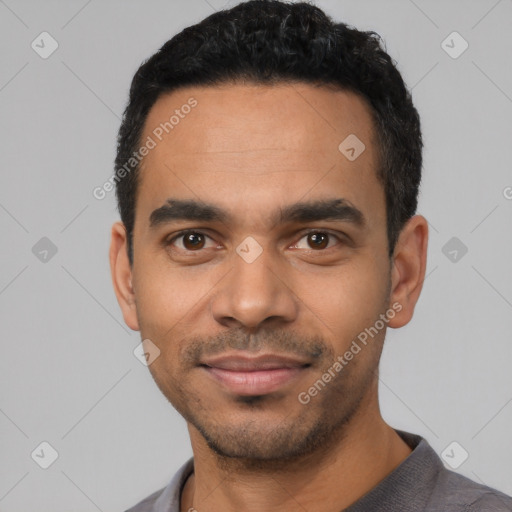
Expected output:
{"points": [[317, 240]]}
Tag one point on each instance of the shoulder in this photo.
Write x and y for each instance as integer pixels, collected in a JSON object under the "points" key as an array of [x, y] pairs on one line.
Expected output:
{"points": [[459, 493], [424, 482], [166, 499]]}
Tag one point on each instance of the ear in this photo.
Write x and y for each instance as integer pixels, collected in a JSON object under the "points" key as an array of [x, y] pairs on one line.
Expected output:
{"points": [[121, 271], [408, 269]]}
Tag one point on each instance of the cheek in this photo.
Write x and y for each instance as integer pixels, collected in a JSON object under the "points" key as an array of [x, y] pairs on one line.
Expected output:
{"points": [[172, 306], [166, 296], [346, 299]]}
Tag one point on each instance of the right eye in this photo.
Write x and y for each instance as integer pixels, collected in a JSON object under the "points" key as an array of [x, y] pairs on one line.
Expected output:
{"points": [[190, 240]]}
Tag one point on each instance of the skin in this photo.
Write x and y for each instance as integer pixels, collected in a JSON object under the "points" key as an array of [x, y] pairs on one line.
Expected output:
{"points": [[252, 150]]}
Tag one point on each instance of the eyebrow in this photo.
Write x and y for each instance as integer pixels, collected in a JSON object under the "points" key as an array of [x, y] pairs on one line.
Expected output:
{"points": [[338, 209]]}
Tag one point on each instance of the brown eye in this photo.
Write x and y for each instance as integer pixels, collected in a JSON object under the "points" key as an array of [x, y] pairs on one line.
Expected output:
{"points": [[193, 241], [318, 240], [190, 241]]}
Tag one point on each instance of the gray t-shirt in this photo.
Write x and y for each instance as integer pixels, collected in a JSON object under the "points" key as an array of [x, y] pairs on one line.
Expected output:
{"points": [[420, 483]]}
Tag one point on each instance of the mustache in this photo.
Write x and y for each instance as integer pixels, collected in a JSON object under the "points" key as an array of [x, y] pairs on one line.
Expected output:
{"points": [[312, 348]]}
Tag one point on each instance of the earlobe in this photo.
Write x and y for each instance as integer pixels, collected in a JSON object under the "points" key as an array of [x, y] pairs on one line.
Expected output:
{"points": [[121, 272], [408, 269]]}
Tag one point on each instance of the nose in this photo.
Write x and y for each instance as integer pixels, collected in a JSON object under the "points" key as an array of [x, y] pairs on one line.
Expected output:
{"points": [[254, 295]]}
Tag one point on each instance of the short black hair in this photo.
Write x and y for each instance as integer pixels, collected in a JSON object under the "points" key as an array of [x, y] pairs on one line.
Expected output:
{"points": [[268, 42]]}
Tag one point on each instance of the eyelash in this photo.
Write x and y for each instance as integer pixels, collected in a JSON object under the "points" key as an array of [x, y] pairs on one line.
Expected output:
{"points": [[185, 232]]}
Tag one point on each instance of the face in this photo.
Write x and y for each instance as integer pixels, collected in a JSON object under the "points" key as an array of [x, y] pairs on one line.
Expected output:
{"points": [[260, 256]]}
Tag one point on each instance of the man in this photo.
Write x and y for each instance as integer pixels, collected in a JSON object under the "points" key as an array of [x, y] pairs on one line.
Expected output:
{"points": [[268, 168]]}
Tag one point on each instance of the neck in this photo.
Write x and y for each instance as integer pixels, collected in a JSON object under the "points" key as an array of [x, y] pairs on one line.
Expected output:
{"points": [[328, 480]]}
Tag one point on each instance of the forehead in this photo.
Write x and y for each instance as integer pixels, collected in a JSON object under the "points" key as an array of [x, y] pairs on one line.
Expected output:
{"points": [[242, 144], [247, 117]]}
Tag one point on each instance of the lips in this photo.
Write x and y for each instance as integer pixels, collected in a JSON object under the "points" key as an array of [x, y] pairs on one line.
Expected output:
{"points": [[236, 362], [264, 374]]}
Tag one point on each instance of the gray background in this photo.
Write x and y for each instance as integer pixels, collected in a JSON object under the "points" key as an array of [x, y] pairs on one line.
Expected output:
{"points": [[69, 376]]}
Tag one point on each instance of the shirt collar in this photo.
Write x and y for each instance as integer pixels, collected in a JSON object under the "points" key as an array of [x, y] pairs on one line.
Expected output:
{"points": [[169, 500], [411, 482]]}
